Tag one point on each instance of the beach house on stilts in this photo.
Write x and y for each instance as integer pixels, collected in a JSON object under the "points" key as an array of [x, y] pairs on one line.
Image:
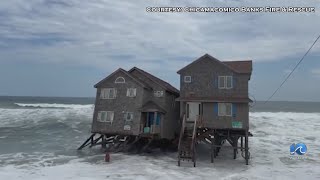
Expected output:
{"points": [[214, 104], [133, 108]]}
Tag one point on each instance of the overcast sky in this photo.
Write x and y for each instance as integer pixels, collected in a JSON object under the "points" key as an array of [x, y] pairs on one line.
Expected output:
{"points": [[62, 48]]}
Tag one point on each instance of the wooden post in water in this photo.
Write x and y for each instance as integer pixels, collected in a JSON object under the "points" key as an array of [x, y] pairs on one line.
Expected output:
{"points": [[235, 147], [241, 143], [103, 142], [212, 149], [246, 148]]}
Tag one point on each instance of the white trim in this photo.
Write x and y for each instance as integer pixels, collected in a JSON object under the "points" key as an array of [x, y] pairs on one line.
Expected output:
{"points": [[230, 81], [224, 79], [105, 117], [187, 81], [105, 93], [125, 115], [122, 80], [127, 127], [220, 113], [191, 106], [158, 93], [134, 93]]}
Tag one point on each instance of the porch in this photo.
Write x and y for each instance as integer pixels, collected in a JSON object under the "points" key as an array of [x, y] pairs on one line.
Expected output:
{"points": [[150, 123], [151, 119]]}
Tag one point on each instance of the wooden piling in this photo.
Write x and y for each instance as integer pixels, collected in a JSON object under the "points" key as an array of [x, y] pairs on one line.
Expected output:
{"points": [[235, 147], [241, 143], [212, 149], [246, 148], [86, 143]]}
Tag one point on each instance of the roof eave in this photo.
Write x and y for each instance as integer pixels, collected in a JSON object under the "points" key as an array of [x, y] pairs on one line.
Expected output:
{"points": [[209, 56], [167, 89], [125, 72]]}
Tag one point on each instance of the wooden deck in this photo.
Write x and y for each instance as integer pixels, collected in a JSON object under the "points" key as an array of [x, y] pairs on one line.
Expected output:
{"points": [[212, 137]]}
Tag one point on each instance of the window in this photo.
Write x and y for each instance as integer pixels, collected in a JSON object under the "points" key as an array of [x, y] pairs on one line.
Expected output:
{"points": [[225, 82], [228, 82], [105, 116], [158, 93], [108, 93], [224, 109], [131, 92], [187, 79], [221, 82], [120, 80], [128, 116]]}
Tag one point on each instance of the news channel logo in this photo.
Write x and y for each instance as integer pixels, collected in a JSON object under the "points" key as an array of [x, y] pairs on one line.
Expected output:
{"points": [[299, 149]]}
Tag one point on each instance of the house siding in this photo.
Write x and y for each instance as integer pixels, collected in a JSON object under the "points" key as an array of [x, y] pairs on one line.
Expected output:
{"points": [[120, 104], [204, 83], [171, 117], [168, 123], [211, 119], [204, 75]]}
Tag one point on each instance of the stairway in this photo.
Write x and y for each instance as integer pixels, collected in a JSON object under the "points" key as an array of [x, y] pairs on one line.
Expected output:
{"points": [[187, 141]]}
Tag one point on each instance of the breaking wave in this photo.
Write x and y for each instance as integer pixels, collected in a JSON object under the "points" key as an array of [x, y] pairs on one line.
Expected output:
{"points": [[39, 141], [54, 105]]}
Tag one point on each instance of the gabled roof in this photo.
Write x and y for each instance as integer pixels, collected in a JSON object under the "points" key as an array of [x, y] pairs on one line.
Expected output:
{"points": [[240, 66], [235, 66], [158, 81], [151, 106], [126, 73]]}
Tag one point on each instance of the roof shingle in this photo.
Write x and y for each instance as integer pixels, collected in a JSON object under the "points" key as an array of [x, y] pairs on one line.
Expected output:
{"points": [[159, 81], [239, 66]]}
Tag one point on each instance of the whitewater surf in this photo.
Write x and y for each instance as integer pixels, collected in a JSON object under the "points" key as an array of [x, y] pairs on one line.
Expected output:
{"points": [[38, 140]]}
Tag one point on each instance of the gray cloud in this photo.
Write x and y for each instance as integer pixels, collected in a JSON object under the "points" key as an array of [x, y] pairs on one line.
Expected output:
{"points": [[316, 72], [102, 32]]}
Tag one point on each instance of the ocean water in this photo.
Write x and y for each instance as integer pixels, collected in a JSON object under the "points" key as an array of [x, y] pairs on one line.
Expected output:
{"points": [[39, 138]]}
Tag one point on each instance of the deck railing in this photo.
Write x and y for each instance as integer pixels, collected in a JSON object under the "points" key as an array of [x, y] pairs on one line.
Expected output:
{"points": [[182, 131], [194, 133]]}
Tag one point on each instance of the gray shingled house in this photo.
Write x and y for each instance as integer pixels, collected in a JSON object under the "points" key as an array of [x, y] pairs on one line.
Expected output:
{"points": [[135, 103], [213, 108], [214, 100]]}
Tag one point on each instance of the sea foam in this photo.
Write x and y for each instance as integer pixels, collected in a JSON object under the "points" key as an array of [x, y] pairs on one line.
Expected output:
{"points": [[273, 133], [55, 105]]}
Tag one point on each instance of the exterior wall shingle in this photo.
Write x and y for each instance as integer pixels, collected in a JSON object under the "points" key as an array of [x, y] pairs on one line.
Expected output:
{"points": [[169, 120], [211, 119], [122, 104], [119, 105], [204, 83]]}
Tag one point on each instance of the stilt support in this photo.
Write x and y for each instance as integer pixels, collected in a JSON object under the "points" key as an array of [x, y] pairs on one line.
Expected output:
{"points": [[212, 149], [87, 143], [241, 143], [235, 147], [246, 148]]}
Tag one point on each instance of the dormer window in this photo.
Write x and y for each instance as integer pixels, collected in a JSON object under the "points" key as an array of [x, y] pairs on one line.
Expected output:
{"points": [[187, 79], [120, 80]]}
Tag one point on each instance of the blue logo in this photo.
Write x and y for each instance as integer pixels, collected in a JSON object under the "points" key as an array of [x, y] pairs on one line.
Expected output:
{"points": [[299, 148]]}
